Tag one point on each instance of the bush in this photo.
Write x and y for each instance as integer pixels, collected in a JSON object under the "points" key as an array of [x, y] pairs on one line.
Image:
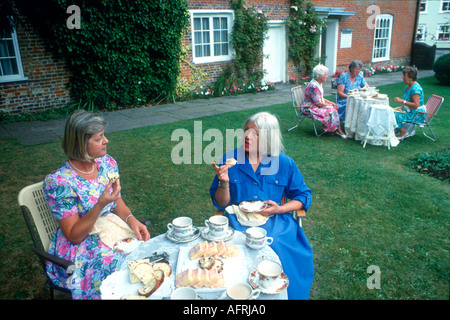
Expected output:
{"points": [[435, 165], [126, 53], [441, 67]]}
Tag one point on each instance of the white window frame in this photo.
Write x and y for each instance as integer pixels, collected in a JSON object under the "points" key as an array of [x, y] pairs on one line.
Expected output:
{"points": [[210, 14], [382, 33], [441, 7], [423, 31], [438, 32], [20, 75], [425, 3]]}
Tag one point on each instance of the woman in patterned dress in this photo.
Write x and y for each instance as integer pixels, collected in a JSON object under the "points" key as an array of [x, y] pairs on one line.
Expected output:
{"points": [[78, 193], [322, 109], [349, 81], [412, 101]]}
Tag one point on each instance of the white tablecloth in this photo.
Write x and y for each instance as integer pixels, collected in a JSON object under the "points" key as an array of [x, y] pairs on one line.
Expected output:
{"points": [[381, 125], [356, 116], [118, 284]]}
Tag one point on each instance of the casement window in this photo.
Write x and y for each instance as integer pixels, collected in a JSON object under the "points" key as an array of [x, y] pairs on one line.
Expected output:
{"points": [[382, 38], [443, 32], [211, 36], [10, 62], [445, 6], [421, 33], [423, 6]]}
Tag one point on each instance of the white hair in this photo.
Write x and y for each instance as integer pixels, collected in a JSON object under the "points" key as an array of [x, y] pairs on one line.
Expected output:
{"points": [[270, 139], [319, 71]]}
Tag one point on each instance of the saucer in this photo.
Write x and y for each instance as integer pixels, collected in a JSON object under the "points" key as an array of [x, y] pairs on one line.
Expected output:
{"points": [[207, 236], [195, 235], [279, 287]]}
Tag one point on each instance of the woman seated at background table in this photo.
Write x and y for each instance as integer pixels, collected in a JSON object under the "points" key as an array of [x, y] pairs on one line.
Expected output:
{"points": [[350, 80], [412, 101], [322, 109], [78, 193], [264, 173]]}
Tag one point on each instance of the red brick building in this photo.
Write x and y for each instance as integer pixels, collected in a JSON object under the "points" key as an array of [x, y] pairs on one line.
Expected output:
{"points": [[375, 32]]}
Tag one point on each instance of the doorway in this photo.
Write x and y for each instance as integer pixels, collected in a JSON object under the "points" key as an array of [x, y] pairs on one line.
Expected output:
{"points": [[274, 62]]}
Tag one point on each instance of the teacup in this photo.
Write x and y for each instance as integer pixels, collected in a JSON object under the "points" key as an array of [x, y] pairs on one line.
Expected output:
{"points": [[218, 226], [184, 293], [269, 273], [181, 227], [242, 291], [256, 238]]}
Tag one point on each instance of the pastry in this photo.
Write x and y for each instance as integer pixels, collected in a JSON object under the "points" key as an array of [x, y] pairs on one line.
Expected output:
{"points": [[113, 176], [231, 161]]}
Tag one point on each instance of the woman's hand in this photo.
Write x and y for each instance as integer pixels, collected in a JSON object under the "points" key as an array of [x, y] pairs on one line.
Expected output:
{"points": [[139, 228], [273, 208], [222, 172], [398, 100], [107, 197]]}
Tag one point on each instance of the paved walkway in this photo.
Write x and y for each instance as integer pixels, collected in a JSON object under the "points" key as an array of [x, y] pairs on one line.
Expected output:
{"points": [[29, 133]]}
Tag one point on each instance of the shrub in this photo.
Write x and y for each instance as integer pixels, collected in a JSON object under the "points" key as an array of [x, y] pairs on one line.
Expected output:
{"points": [[436, 165], [126, 53], [441, 68]]}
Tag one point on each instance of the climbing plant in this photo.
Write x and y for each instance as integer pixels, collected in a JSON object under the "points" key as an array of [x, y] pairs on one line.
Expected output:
{"points": [[303, 33], [125, 53], [247, 38]]}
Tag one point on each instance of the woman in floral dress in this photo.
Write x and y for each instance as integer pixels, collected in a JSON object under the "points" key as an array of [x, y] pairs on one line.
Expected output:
{"points": [[78, 193], [322, 109]]}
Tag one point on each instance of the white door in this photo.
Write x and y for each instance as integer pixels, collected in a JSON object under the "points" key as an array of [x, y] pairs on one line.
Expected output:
{"points": [[330, 42], [274, 62]]}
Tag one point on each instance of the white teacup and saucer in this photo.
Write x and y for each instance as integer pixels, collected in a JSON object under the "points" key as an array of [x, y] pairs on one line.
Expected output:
{"points": [[217, 228], [182, 230], [269, 277]]}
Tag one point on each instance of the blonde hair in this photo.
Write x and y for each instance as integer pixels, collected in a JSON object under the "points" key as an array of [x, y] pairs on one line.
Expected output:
{"points": [[270, 139], [79, 129]]}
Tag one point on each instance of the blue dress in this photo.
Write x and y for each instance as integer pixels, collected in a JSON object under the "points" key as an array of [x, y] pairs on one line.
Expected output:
{"points": [[411, 113], [344, 79], [274, 179]]}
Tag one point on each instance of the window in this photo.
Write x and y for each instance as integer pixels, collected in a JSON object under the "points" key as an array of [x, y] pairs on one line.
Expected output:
{"points": [[443, 32], [10, 63], [211, 36], [445, 6], [423, 6], [382, 38], [421, 33]]}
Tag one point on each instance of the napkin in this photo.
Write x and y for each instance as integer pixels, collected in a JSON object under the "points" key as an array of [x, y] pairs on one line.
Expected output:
{"points": [[110, 228], [253, 219]]}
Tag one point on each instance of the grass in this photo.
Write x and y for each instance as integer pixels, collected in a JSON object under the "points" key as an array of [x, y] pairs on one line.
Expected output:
{"points": [[369, 207]]}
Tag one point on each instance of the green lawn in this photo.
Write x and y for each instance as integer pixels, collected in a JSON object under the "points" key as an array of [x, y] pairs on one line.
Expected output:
{"points": [[369, 207]]}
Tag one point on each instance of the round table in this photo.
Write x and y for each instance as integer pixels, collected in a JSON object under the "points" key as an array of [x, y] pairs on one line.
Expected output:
{"points": [[117, 285], [356, 113]]}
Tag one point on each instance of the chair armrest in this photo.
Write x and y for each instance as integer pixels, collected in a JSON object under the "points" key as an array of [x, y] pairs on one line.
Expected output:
{"points": [[430, 114], [54, 259], [144, 221]]}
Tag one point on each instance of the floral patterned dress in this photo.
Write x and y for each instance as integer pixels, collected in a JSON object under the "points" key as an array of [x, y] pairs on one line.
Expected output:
{"points": [[344, 79], [327, 115], [67, 194]]}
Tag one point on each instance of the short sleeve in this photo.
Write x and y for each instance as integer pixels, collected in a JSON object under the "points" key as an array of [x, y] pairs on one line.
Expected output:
{"points": [[60, 196]]}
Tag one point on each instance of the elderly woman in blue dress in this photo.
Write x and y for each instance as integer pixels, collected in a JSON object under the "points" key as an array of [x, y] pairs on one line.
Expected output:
{"points": [[350, 80], [264, 173], [412, 101]]}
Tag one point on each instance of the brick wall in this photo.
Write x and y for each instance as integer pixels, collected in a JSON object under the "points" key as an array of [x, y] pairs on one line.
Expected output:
{"points": [[47, 77], [403, 13]]}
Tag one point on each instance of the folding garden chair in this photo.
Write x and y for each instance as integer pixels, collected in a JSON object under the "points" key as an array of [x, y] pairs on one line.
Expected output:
{"points": [[301, 113], [432, 107], [32, 202]]}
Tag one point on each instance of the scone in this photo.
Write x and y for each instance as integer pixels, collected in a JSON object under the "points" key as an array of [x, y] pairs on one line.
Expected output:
{"points": [[113, 176]]}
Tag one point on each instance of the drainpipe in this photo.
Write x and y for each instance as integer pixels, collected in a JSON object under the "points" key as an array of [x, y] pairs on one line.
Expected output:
{"points": [[416, 22]]}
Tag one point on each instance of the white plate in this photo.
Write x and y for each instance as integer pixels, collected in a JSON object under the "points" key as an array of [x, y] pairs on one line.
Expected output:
{"points": [[252, 206], [127, 245]]}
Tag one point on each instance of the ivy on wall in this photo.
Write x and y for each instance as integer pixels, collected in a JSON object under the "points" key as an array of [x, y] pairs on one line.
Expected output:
{"points": [[125, 53], [303, 33], [247, 38]]}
